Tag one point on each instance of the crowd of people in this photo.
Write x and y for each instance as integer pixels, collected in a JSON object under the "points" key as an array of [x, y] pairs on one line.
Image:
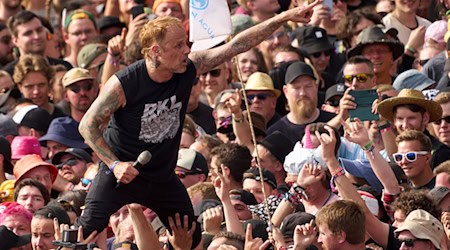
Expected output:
{"points": [[316, 125]]}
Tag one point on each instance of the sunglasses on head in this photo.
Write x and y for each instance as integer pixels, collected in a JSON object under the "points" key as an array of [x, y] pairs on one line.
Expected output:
{"points": [[262, 97], [77, 87], [361, 78], [182, 174], [409, 242], [439, 121], [70, 162], [318, 54], [410, 156], [213, 73]]}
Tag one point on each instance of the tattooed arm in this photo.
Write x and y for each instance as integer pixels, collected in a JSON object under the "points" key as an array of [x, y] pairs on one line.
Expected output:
{"points": [[110, 99], [207, 59]]}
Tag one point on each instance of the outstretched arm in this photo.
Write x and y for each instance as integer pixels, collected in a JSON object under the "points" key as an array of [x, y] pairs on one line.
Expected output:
{"points": [[207, 59]]}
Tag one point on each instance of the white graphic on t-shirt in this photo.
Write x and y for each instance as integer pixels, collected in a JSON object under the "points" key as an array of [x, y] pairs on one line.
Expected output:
{"points": [[160, 120]]}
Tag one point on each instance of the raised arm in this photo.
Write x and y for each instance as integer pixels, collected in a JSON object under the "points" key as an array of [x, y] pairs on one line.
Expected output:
{"points": [[207, 59]]}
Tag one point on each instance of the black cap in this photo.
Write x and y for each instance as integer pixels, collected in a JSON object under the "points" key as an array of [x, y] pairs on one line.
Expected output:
{"points": [[242, 195], [109, 21], [335, 90], [267, 176], [313, 39], [38, 119], [297, 69], [77, 152], [9, 239], [291, 221], [52, 212], [278, 144]]}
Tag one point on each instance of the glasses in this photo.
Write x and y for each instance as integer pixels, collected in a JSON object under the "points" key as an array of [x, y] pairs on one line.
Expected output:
{"points": [[439, 121], [5, 40], [71, 162], [318, 54], [410, 156], [262, 97], [77, 87], [213, 73], [182, 174], [409, 242], [361, 78]]}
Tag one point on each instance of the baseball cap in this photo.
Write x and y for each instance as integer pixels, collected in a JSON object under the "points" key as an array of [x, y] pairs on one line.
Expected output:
{"points": [[7, 126], [278, 144], [335, 90], [89, 52], [412, 79], [30, 162], [8, 239], [313, 39], [64, 130], [362, 169], [52, 212], [158, 2], [24, 145], [5, 150], [298, 69], [74, 75], [436, 31], [423, 225], [438, 193], [192, 160], [268, 177], [242, 195], [78, 14], [33, 117], [77, 152], [241, 22], [289, 223]]}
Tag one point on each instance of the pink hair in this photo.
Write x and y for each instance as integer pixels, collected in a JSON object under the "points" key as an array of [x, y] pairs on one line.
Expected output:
{"points": [[13, 209]]}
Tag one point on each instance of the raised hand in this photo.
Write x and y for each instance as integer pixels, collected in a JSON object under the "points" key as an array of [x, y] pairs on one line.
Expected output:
{"points": [[181, 236], [212, 219], [328, 142], [222, 183], [304, 235], [256, 243], [356, 132], [302, 14], [125, 172], [309, 174]]}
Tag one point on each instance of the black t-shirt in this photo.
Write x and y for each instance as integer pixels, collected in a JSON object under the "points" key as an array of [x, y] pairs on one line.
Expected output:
{"points": [[52, 61], [152, 119], [393, 243], [293, 131], [203, 117]]}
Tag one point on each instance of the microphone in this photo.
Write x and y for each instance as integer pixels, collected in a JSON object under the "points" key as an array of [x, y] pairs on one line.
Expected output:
{"points": [[142, 159]]}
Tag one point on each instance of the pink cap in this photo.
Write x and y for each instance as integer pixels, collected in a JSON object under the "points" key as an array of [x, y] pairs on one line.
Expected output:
{"points": [[436, 31], [24, 145], [308, 142]]}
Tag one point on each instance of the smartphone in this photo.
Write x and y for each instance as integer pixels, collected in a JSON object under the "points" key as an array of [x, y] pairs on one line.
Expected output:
{"points": [[328, 3], [137, 10], [364, 100]]}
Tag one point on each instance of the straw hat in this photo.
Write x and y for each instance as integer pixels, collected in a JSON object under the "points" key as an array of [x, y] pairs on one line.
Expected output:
{"points": [[261, 81], [409, 96]]}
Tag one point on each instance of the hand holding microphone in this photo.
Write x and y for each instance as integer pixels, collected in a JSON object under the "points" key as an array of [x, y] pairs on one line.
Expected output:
{"points": [[125, 172]]}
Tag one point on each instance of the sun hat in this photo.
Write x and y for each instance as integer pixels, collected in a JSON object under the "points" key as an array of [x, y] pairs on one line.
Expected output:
{"points": [[261, 81], [375, 35], [74, 75], [278, 144], [30, 162], [24, 145], [89, 53], [409, 96], [412, 79], [312, 39], [423, 225], [64, 130]]}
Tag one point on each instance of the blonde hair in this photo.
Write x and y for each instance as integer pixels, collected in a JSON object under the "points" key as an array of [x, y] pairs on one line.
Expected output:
{"points": [[155, 31], [442, 98], [32, 63]]}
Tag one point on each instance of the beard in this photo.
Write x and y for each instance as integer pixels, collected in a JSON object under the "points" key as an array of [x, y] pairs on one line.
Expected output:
{"points": [[304, 107]]}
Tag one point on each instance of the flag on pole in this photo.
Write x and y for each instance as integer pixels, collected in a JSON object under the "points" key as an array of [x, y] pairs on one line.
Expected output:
{"points": [[210, 23]]}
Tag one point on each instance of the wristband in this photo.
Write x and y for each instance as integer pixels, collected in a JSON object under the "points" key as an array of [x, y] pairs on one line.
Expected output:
{"points": [[411, 50], [113, 166], [237, 120], [369, 148], [339, 172], [113, 55], [384, 126]]}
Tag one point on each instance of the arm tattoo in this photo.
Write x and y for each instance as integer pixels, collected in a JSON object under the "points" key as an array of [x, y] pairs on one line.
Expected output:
{"points": [[208, 59], [97, 117]]}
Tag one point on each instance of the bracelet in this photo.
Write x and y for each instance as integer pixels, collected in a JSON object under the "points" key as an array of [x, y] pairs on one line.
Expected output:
{"points": [[411, 50], [339, 172], [237, 120], [369, 148], [114, 55], [385, 129], [384, 126], [113, 166]]}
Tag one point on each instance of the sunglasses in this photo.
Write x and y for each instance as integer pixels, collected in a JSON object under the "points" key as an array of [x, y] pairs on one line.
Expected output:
{"points": [[182, 174], [318, 54], [410, 156], [71, 162], [409, 242], [439, 121], [361, 78], [334, 102], [76, 88], [213, 73], [261, 97]]}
